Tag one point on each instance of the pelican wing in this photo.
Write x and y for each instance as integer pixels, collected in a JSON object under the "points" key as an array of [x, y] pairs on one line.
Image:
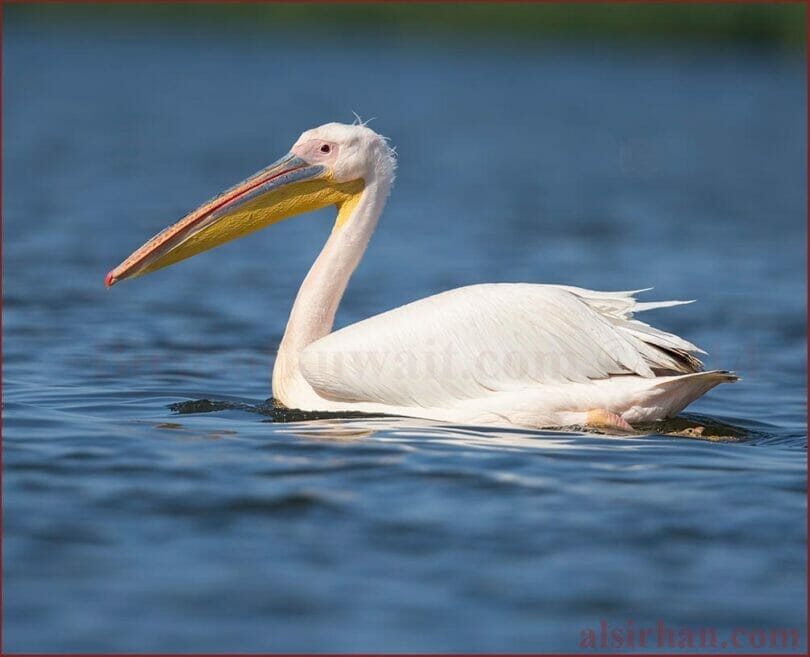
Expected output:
{"points": [[471, 341]]}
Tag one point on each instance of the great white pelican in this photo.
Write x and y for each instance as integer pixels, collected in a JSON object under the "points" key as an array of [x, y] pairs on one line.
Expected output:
{"points": [[509, 354]]}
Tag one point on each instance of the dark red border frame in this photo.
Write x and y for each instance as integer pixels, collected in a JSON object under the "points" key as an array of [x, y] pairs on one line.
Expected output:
{"points": [[807, 271]]}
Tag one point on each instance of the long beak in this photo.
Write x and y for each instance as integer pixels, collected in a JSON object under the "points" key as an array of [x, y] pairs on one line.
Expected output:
{"points": [[287, 187]]}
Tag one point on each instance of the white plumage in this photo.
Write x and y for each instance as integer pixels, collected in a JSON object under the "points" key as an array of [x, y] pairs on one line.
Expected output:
{"points": [[521, 354]]}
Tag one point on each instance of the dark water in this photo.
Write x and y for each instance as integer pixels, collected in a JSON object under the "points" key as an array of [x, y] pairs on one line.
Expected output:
{"points": [[139, 518]]}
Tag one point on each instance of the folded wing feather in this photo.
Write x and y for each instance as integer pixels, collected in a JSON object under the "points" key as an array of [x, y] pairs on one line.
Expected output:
{"points": [[472, 341]]}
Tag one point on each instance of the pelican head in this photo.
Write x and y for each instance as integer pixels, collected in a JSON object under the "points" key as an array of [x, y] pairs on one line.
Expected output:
{"points": [[328, 165]]}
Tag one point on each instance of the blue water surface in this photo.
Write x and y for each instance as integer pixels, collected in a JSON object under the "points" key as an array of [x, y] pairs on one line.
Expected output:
{"points": [[138, 517]]}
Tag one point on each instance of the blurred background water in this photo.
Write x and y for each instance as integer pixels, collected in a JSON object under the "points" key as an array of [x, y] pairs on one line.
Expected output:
{"points": [[669, 152]]}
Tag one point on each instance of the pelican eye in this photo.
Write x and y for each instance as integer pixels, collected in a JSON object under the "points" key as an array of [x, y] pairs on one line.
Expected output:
{"points": [[325, 148]]}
